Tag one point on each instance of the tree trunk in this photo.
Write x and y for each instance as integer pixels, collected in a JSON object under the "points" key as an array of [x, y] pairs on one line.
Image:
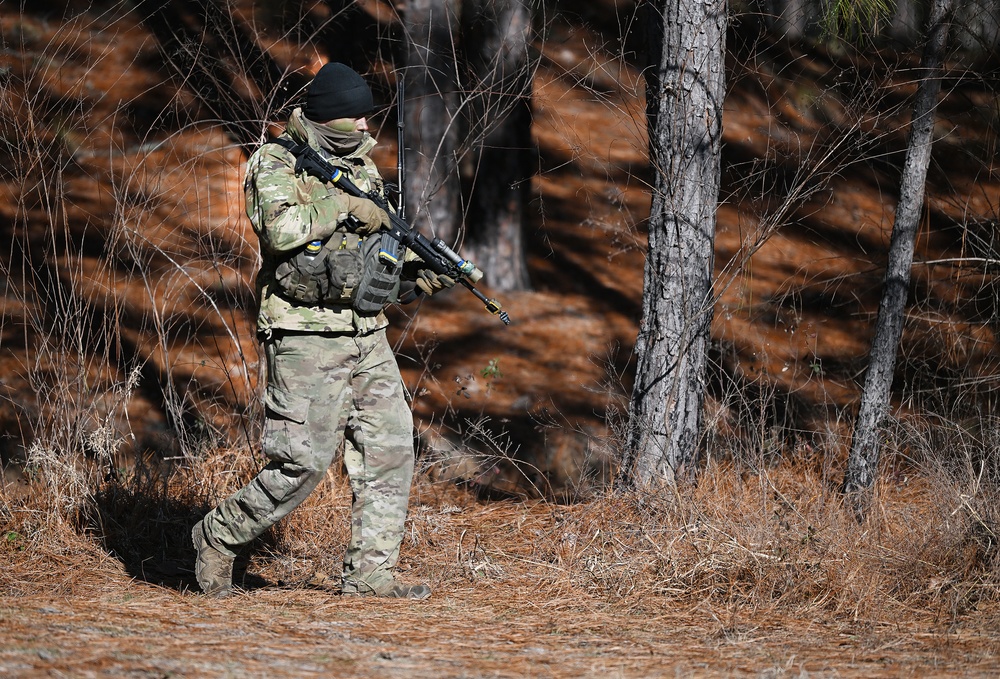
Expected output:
{"points": [[792, 19], [864, 454], [498, 34], [904, 25], [977, 26], [685, 91], [433, 188]]}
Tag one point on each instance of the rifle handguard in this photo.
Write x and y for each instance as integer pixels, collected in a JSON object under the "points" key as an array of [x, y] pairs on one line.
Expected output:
{"points": [[468, 269]]}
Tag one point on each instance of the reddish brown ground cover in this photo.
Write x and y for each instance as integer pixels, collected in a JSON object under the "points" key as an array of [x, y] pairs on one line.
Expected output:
{"points": [[515, 596]]}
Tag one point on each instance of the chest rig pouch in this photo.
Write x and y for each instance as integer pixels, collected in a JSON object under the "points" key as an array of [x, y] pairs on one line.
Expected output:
{"points": [[343, 270]]}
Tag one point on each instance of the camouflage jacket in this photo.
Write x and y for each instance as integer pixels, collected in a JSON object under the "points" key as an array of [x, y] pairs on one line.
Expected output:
{"points": [[289, 210]]}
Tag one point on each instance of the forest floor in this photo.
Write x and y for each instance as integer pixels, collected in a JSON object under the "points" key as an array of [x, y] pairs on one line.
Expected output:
{"points": [[497, 611], [132, 629]]}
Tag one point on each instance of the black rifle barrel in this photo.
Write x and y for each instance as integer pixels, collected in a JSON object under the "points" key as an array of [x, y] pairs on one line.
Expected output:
{"points": [[400, 145]]}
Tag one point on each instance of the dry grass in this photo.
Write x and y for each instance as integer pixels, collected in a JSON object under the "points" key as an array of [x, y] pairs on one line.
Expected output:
{"points": [[759, 573]]}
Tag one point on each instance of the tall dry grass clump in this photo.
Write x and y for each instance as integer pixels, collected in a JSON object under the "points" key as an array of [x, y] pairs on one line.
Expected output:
{"points": [[120, 319], [782, 539], [753, 540]]}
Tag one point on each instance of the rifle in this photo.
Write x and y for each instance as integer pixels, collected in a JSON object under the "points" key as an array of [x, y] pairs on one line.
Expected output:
{"points": [[435, 253]]}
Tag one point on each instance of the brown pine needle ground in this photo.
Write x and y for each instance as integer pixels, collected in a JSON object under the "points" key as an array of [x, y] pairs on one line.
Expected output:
{"points": [[745, 575]]}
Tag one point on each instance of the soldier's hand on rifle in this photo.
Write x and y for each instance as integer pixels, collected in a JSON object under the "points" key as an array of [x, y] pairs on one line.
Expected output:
{"points": [[371, 216], [430, 282]]}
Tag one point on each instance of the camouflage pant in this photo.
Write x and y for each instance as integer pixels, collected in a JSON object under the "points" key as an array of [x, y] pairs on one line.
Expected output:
{"points": [[321, 390]]}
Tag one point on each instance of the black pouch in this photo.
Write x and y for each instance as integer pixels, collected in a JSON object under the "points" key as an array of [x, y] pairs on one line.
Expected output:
{"points": [[379, 283], [346, 270], [302, 277], [344, 264]]}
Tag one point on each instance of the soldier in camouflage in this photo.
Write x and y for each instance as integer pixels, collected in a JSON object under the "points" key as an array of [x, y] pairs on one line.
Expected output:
{"points": [[331, 374]]}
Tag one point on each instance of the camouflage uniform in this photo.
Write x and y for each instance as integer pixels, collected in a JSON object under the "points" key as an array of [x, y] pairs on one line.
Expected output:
{"points": [[331, 377]]}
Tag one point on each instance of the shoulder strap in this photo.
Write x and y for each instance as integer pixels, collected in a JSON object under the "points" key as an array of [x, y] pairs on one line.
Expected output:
{"points": [[296, 150], [288, 144]]}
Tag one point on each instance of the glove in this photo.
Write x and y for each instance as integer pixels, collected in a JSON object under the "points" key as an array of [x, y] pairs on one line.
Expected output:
{"points": [[430, 282], [371, 216]]}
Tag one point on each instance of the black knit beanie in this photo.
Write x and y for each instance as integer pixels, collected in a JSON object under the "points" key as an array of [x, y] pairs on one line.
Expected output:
{"points": [[337, 92]]}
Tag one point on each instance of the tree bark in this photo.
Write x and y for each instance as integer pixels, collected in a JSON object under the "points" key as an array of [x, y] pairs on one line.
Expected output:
{"points": [[863, 459], [498, 34], [433, 188], [904, 25], [685, 92], [792, 19]]}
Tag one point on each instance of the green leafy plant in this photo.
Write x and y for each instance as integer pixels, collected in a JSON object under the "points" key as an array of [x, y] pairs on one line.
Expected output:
{"points": [[491, 373], [492, 370], [15, 539]]}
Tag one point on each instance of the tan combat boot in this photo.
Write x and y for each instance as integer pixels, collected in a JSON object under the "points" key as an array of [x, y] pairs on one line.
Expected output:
{"points": [[392, 590], [212, 568]]}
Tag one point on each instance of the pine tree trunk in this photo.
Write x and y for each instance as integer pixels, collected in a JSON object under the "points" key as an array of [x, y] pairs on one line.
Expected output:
{"points": [[904, 25], [498, 34], [792, 19], [863, 459], [433, 188], [685, 91]]}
